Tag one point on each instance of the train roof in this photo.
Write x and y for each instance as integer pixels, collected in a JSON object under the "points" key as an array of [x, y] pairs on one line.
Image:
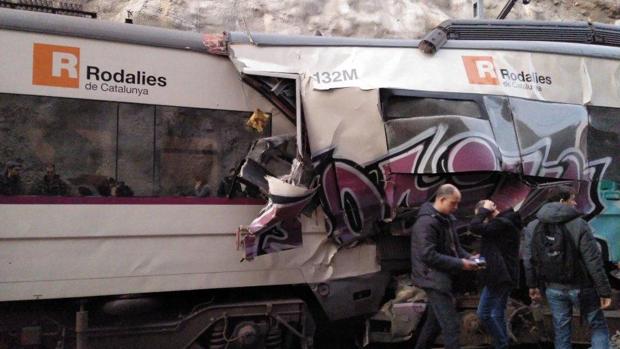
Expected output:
{"points": [[569, 38]]}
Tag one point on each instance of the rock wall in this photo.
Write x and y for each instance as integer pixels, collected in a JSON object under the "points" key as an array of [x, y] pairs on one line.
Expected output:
{"points": [[362, 18]]}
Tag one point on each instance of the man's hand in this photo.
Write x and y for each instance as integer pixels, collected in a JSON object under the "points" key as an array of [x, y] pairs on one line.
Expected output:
{"points": [[535, 295], [489, 205], [605, 303], [469, 265]]}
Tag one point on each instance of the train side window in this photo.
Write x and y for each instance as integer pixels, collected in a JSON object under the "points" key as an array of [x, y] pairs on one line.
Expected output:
{"points": [[77, 136], [604, 138], [200, 145], [400, 107], [100, 148], [561, 125]]}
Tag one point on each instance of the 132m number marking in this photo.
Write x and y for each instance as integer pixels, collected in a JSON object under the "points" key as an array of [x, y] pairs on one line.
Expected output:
{"points": [[327, 77]]}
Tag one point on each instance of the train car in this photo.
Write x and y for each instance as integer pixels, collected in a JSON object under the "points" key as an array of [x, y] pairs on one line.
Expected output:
{"points": [[502, 109], [183, 190], [106, 103]]}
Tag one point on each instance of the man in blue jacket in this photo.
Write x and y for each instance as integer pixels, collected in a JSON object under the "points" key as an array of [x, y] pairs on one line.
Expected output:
{"points": [[436, 257]]}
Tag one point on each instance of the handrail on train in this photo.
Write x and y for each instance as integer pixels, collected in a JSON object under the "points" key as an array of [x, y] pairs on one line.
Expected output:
{"points": [[565, 32]]}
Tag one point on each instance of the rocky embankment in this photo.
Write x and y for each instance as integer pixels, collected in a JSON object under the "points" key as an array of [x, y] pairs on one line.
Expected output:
{"points": [[362, 18]]}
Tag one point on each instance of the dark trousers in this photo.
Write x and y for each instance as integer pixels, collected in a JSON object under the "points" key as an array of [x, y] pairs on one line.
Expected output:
{"points": [[441, 316]]}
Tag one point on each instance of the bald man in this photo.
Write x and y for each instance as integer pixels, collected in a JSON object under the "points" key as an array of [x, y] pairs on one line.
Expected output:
{"points": [[436, 256]]}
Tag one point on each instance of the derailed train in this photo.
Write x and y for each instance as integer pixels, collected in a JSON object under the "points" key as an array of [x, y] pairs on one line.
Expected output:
{"points": [[354, 135]]}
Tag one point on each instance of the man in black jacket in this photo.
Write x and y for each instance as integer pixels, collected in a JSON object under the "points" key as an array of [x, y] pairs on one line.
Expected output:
{"points": [[10, 181], [589, 287], [436, 256], [51, 184], [500, 236]]}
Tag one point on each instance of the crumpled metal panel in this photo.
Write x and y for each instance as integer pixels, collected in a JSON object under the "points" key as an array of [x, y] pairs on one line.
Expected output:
{"points": [[270, 156], [277, 228]]}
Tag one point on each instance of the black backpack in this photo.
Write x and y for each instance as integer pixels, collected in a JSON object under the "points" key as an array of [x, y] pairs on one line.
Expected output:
{"points": [[554, 254]]}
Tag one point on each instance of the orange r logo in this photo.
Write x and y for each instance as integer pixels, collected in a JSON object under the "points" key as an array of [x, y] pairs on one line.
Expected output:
{"points": [[480, 70], [54, 65]]}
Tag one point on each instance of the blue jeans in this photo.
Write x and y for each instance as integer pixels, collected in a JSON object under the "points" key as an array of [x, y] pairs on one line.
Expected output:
{"points": [[492, 313], [561, 303]]}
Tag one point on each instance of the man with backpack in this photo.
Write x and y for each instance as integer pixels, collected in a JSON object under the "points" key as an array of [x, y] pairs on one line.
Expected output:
{"points": [[562, 258]]}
